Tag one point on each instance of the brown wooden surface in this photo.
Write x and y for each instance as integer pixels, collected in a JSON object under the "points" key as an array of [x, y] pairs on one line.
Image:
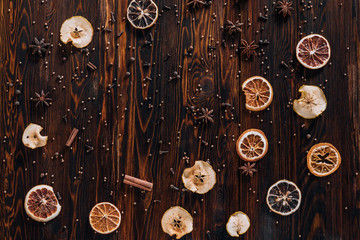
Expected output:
{"points": [[139, 119]]}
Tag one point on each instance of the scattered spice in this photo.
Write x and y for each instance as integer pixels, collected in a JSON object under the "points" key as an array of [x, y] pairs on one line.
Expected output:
{"points": [[42, 98], [72, 137], [248, 169], [248, 49], [233, 27], [195, 3], [206, 115], [284, 7], [39, 47], [91, 66]]}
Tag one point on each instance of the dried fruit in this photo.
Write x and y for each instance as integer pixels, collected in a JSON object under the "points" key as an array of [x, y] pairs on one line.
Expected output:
{"points": [[311, 103], [31, 137], [283, 197], [105, 218], [252, 145], [313, 51], [323, 159], [177, 221], [237, 224], [200, 178], [77, 30], [142, 14], [41, 203], [258, 93]]}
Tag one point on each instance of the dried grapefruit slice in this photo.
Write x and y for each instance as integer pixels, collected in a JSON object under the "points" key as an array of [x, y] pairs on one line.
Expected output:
{"points": [[252, 145], [237, 224], [323, 159], [313, 51], [258, 93], [41, 203], [284, 197], [177, 221], [311, 103], [142, 14], [105, 218]]}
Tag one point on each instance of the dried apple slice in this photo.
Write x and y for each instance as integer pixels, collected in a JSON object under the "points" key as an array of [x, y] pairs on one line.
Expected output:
{"points": [[77, 30], [177, 221], [31, 137], [41, 203], [311, 103], [237, 224], [200, 178]]}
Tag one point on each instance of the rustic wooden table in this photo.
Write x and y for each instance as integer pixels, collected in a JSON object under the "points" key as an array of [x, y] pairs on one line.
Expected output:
{"points": [[144, 128]]}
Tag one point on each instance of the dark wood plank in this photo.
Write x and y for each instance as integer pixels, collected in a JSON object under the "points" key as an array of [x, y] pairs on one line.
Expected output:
{"points": [[145, 128]]}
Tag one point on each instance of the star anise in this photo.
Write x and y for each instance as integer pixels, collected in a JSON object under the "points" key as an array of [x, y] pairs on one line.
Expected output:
{"points": [[195, 3], [206, 115], [39, 47], [248, 169], [41, 98], [233, 27], [248, 49], [285, 7]]}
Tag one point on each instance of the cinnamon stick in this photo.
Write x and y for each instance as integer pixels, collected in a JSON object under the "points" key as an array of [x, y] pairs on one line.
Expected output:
{"points": [[72, 137], [139, 183]]}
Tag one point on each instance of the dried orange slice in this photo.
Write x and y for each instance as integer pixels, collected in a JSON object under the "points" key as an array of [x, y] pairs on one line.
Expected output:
{"points": [[105, 218], [284, 197], [323, 159], [258, 93], [142, 14], [252, 145], [313, 51], [41, 203], [237, 224]]}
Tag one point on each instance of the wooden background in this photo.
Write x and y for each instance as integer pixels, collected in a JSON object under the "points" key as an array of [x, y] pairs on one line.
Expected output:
{"points": [[129, 121]]}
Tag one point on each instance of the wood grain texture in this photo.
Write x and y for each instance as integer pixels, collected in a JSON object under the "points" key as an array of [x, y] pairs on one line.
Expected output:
{"points": [[132, 122]]}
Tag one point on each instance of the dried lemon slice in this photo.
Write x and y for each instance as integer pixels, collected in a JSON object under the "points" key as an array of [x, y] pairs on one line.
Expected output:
{"points": [[258, 93], [252, 145], [237, 224], [77, 30], [105, 218], [31, 137], [41, 203], [200, 178], [284, 197], [311, 103], [177, 221], [313, 51], [323, 159], [142, 14]]}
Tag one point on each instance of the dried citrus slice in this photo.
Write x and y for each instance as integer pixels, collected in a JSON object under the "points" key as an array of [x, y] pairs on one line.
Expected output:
{"points": [[177, 221], [200, 178], [105, 218], [237, 224], [313, 51], [142, 14], [284, 197], [258, 93], [311, 103], [323, 159], [41, 203], [32, 138], [77, 30], [252, 145]]}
